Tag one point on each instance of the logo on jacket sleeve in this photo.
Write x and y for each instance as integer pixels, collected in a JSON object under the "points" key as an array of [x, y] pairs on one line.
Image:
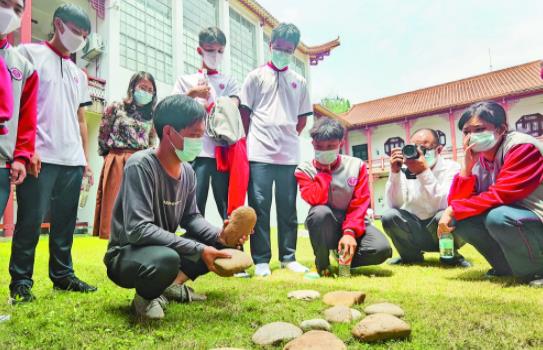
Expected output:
{"points": [[16, 73], [352, 181]]}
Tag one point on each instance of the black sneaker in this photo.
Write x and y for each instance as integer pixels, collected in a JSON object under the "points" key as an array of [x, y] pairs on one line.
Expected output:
{"points": [[21, 293], [492, 273], [457, 261], [74, 284]]}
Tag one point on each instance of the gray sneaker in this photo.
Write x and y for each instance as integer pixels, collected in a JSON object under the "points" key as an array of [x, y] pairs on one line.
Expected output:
{"points": [[147, 309], [182, 294]]}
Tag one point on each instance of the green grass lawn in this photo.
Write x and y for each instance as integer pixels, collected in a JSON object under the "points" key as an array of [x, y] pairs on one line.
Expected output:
{"points": [[447, 308]]}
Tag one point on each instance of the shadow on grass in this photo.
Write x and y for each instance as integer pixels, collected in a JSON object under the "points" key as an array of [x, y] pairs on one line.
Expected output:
{"points": [[480, 276], [372, 271]]}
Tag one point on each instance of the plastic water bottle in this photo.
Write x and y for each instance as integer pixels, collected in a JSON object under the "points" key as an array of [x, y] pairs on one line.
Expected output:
{"points": [[85, 189], [345, 260], [446, 246]]}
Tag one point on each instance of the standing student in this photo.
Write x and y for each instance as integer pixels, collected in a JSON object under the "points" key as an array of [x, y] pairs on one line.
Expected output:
{"points": [[277, 100], [61, 157], [206, 86], [496, 202], [126, 128], [336, 187], [158, 194], [18, 99]]}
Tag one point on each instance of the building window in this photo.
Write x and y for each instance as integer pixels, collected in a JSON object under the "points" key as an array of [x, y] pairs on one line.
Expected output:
{"points": [[441, 137], [393, 142], [242, 46], [197, 15], [267, 53], [298, 66], [146, 37], [531, 124], [361, 151]]}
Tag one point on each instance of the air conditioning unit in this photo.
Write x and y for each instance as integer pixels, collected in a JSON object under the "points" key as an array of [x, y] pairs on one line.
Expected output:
{"points": [[94, 47]]}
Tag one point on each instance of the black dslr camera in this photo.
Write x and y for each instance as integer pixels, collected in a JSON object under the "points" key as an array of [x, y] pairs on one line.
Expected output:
{"points": [[411, 152]]}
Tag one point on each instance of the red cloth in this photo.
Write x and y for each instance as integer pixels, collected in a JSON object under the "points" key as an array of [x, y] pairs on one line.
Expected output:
{"points": [[28, 120], [315, 192], [520, 175], [6, 94], [230, 158]]}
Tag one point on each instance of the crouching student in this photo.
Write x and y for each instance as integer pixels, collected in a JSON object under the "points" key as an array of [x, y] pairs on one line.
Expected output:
{"points": [[496, 202], [157, 195], [336, 187]]}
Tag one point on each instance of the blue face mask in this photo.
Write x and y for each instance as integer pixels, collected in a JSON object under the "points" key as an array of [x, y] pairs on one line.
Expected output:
{"points": [[142, 97], [326, 157], [280, 59]]}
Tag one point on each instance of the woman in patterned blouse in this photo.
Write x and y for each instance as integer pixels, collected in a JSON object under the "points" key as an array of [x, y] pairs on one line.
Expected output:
{"points": [[126, 128]]}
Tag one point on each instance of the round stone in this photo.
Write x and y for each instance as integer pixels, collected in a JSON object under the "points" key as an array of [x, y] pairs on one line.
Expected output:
{"points": [[385, 308], [379, 327], [345, 298], [306, 295], [276, 332], [315, 324], [240, 261], [316, 340]]}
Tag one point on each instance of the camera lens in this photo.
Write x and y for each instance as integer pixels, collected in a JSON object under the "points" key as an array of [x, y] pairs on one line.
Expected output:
{"points": [[410, 151]]}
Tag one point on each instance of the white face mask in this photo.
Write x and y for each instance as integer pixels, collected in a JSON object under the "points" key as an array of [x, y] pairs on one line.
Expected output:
{"points": [[326, 157], [9, 21], [213, 59], [71, 41]]}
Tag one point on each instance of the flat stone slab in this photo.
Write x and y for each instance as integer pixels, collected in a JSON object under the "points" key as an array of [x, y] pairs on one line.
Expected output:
{"points": [[306, 295], [276, 332], [341, 314], [317, 324], [380, 327], [240, 261], [345, 298], [316, 340], [385, 308]]}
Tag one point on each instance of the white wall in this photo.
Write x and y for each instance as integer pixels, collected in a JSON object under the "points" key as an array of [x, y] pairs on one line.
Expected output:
{"points": [[524, 106], [383, 132]]}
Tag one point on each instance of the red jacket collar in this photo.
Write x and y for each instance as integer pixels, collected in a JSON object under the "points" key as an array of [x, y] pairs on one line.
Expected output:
{"points": [[66, 57], [209, 71], [272, 66], [4, 43], [334, 166]]}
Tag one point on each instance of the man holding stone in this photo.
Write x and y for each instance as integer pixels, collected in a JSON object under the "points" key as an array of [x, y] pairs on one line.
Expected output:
{"points": [[415, 205], [158, 194]]}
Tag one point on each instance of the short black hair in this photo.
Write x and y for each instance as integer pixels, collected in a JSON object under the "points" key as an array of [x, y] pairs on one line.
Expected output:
{"points": [[177, 111], [211, 35], [286, 31], [75, 14], [327, 129], [489, 111], [430, 130]]}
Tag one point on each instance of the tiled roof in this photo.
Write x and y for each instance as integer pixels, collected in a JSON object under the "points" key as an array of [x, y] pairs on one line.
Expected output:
{"points": [[513, 81]]}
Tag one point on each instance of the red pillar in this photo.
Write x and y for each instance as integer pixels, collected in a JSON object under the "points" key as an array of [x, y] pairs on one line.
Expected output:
{"points": [[370, 164], [407, 126], [26, 37], [452, 126]]}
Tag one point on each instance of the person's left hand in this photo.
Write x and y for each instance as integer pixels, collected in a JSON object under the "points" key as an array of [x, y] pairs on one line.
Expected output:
{"points": [[446, 222], [241, 241], [89, 174], [17, 172], [347, 245], [416, 166]]}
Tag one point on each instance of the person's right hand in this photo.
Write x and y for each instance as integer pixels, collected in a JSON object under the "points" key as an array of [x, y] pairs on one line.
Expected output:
{"points": [[210, 254], [396, 160], [200, 91], [34, 167], [470, 158]]}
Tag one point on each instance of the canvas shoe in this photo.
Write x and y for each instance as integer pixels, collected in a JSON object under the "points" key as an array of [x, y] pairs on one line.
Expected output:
{"points": [[182, 293], [262, 270], [147, 309], [294, 266]]}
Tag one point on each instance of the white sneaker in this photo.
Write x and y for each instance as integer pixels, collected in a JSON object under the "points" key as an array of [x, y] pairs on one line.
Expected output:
{"points": [[294, 266], [262, 270], [147, 309], [242, 274]]}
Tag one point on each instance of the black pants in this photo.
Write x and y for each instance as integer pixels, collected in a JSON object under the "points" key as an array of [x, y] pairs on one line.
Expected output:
{"points": [[5, 189], [261, 182], [324, 226], [151, 269], [412, 236], [58, 186], [510, 238], [206, 171]]}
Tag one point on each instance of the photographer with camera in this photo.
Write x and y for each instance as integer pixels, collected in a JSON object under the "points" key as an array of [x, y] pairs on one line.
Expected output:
{"points": [[416, 194]]}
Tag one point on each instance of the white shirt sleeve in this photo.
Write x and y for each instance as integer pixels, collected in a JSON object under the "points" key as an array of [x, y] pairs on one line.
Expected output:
{"points": [[179, 88], [394, 191], [306, 108], [84, 96], [247, 92], [232, 88], [436, 190]]}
